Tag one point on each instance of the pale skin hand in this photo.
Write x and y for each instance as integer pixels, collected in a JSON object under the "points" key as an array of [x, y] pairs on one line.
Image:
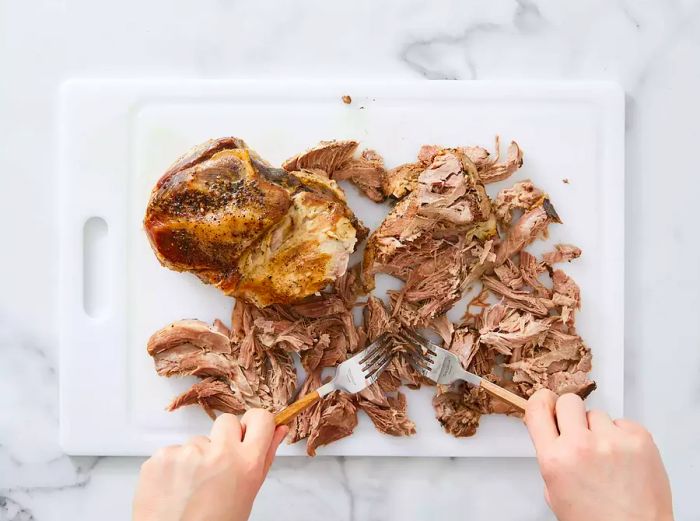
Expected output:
{"points": [[595, 468], [214, 478]]}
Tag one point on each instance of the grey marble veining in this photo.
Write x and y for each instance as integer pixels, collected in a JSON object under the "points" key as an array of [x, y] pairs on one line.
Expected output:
{"points": [[651, 47]]}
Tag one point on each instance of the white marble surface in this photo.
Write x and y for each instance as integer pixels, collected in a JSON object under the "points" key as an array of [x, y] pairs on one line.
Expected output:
{"points": [[651, 47]]}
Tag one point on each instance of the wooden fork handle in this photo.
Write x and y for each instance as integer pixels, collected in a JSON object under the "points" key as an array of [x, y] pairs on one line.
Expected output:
{"points": [[292, 410], [516, 401]]}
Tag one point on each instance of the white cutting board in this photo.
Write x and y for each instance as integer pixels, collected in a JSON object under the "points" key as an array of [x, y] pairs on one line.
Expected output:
{"points": [[117, 137]]}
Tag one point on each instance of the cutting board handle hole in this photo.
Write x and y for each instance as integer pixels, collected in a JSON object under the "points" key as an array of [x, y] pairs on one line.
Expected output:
{"points": [[95, 267]]}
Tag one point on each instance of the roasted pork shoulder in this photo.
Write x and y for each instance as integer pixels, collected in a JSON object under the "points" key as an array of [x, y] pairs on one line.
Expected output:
{"points": [[254, 231]]}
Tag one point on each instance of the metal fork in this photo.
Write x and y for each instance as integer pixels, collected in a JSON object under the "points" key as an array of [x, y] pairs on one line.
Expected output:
{"points": [[443, 367], [352, 376]]}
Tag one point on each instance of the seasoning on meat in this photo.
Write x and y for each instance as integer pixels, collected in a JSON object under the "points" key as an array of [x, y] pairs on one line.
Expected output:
{"points": [[254, 231]]}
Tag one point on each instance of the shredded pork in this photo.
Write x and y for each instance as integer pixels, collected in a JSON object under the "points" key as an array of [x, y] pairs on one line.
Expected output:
{"points": [[443, 236], [367, 173]]}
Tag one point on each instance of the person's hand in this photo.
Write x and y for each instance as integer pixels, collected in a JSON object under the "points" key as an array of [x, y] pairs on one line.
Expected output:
{"points": [[593, 467], [215, 478]]}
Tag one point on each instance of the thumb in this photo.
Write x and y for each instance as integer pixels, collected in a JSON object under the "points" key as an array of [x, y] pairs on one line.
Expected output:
{"points": [[546, 496], [280, 433]]}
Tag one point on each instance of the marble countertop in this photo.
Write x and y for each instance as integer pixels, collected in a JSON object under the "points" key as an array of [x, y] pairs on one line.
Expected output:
{"points": [[650, 47]]}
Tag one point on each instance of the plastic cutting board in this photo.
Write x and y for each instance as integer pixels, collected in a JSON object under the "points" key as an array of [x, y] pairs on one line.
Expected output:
{"points": [[117, 137]]}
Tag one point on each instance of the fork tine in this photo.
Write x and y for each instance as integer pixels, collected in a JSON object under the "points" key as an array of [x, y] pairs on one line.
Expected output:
{"points": [[370, 367], [378, 371], [371, 350], [418, 359], [420, 368], [419, 346], [418, 339], [376, 354]]}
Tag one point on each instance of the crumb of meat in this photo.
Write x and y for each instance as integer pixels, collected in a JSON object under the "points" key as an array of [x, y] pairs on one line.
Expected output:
{"points": [[376, 319], [347, 99], [566, 294], [542, 349], [560, 363], [561, 253], [565, 181], [220, 327]]}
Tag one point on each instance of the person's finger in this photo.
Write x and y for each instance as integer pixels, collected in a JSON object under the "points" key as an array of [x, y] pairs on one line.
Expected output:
{"points": [[259, 428], [199, 441], [280, 433], [540, 418], [226, 430], [164, 452], [599, 421], [629, 426], [571, 414]]}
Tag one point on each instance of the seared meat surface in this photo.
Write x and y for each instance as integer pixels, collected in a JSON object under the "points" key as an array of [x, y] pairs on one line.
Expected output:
{"points": [[254, 231]]}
